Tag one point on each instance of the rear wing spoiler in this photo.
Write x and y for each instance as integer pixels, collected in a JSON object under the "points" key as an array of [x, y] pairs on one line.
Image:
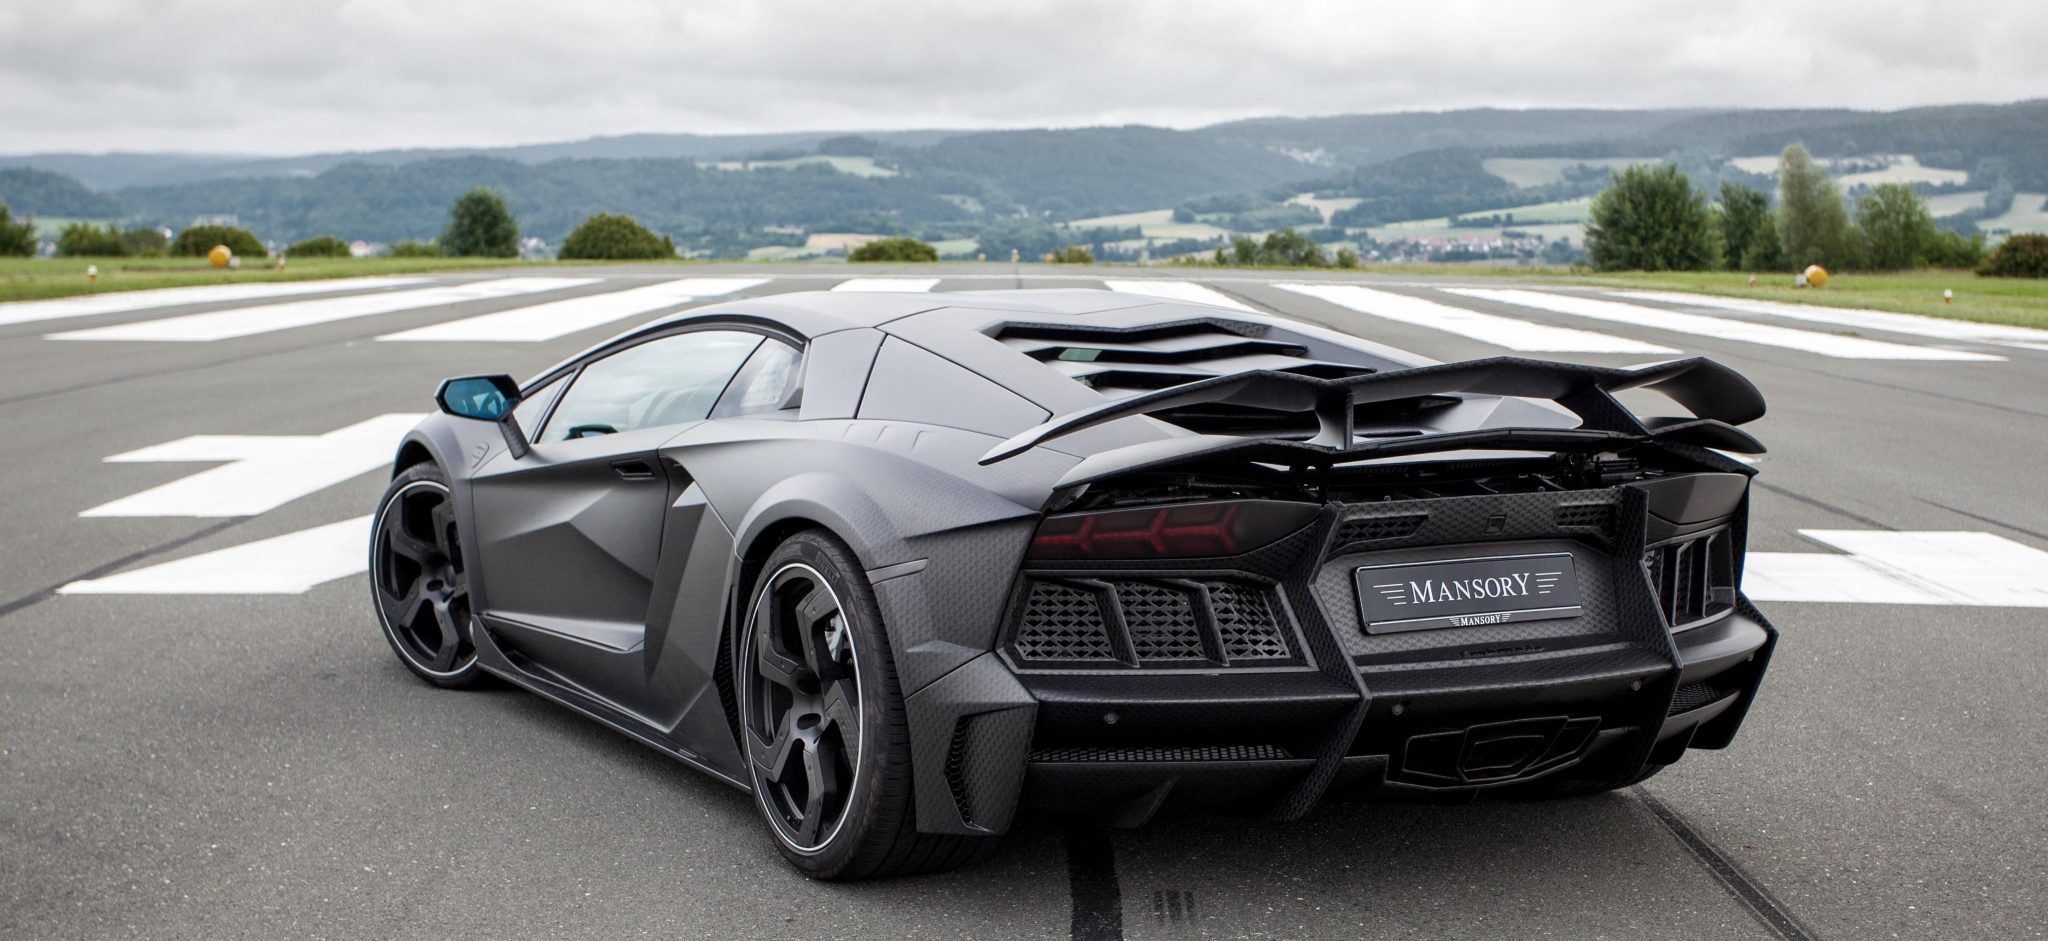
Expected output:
{"points": [[1719, 398]]}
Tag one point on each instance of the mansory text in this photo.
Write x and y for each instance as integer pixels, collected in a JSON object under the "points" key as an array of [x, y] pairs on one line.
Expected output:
{"points": [[905, 565]]}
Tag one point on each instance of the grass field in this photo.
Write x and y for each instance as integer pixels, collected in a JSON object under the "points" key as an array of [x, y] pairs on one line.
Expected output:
{"points": [[1155, 223], [1327, 207], [33, 278], [2026, 215], [2018, 301], [1537, 171], [856, 166]]}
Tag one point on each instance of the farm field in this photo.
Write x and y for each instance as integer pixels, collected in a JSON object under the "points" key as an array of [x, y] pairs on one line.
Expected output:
{"points": [[856, 166], [1538, 171], [2028, 214]]}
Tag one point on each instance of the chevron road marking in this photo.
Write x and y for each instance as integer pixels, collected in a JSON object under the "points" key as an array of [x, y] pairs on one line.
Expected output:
{"points": [[127, 301], [561, 318], [1178, 291], [262, 473], [1486, 328], [1741, 331], [268, 318], [290, 564], [913, 285], [1913, 324], [1945, 568]]}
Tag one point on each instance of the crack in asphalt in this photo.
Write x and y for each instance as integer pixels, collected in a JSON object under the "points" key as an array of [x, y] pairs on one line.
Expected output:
{"points": [[1979, 517], [1761, 904], [41, 595], [1821, 504]]}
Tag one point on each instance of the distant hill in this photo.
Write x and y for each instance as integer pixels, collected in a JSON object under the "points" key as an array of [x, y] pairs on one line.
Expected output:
{"points": [[724, 193], [29, 191]]}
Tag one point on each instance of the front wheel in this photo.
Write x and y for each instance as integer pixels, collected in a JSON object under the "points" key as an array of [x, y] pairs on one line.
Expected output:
{"points": [[419, 582], [822, 722]]}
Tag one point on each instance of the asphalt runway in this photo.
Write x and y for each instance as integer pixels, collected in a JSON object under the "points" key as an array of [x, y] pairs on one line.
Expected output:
{"points": [[177, 761]]}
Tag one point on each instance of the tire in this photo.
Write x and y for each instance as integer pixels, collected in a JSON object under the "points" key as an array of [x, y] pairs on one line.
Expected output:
{"points": [[1566, 788], [822, 722], [419, 584]]}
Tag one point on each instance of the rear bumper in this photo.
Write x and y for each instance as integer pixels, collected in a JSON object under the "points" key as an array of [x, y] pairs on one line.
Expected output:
{"points": [[1333, 710], [1122, 747]]}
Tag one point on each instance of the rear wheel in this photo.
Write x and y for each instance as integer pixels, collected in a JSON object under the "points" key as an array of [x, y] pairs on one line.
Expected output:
{"points": [[822, 722], [419, 581]]}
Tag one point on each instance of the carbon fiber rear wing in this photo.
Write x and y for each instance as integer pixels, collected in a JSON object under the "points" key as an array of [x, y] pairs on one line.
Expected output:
{"points": [[1719, 398]]}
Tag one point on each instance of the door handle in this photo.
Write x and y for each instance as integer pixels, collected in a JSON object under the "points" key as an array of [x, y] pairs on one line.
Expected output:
{"points": [[633, 470]]}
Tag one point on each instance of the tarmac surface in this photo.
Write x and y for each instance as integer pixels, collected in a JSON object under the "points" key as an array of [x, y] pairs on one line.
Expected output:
{"points": [[178, 762]]}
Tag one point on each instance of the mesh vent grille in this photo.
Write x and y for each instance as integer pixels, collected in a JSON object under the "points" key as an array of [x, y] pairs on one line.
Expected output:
{"points": [[1694, 695], [1147, 622], [1592, 515], [1245, 623], [1161, 621], [1163, 753], [956, 762], [1379, 527], [1062, 622]]}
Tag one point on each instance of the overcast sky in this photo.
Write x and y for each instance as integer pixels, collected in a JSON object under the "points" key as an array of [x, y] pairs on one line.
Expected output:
{"points": [[287, 76]]}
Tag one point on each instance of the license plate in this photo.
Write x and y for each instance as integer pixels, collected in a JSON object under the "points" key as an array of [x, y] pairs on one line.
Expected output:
{"points": [[1421, 596]]}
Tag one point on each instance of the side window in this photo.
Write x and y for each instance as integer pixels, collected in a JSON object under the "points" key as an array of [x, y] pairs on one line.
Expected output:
{"points": [[764, 383], [669, 381], [534, 407]]}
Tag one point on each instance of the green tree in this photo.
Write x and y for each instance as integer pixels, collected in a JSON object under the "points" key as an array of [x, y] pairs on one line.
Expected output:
{"points": [[145, 241], [1291, 249], [617, 238], [16, 238], [1749, 240], [1896, 228], [2020, 256], [319, 246], [196, 241], [1346, 258], [412, 248], [1953, 250], [1651, 218], [480, 225], [1074, 255], [1813, 227], [83, 239], [894, 249]]}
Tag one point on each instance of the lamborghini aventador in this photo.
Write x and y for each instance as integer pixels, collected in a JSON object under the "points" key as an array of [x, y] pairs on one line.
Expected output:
{"points": [[903, 566]]}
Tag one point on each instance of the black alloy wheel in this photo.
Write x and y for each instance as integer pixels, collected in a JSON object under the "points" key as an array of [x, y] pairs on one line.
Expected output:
{"points": [[805, 727], [420, 583]]}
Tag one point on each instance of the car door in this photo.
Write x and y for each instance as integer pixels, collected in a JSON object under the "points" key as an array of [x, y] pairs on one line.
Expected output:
{"points": [[571, 533]]}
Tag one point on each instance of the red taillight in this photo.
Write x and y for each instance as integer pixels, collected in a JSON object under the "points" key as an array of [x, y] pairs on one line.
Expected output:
{"points": [[1182, 531]]}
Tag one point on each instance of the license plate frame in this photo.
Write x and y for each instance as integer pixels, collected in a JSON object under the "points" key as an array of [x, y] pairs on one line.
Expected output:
{"points": [[1467, 592]]}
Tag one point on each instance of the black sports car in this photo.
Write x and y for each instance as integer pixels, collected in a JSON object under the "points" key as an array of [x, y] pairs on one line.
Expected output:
{"points": [[903, 565]]}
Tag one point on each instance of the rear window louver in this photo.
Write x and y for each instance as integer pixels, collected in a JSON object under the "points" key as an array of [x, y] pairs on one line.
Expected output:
{"points": [[1120, 362]]}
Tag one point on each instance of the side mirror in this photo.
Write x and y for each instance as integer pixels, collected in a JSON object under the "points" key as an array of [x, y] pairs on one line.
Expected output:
{"points": [[485, 398]]}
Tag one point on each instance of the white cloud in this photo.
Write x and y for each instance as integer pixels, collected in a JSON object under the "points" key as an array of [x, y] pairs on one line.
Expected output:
{"points": [[270, 77]]}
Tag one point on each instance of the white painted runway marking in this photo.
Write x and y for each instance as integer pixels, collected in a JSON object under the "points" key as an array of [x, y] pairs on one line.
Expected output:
{"points": [[1741, 331], [913, 285], [267, 318], [561, 318], [125, 301], [263, 472], [1487, 328], [1912, 324], [1949, 568], [290, 564], [1178, 291]]}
